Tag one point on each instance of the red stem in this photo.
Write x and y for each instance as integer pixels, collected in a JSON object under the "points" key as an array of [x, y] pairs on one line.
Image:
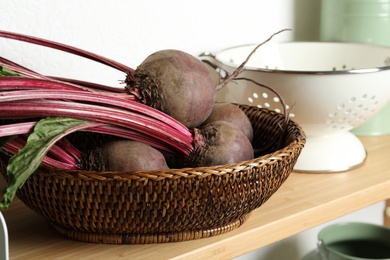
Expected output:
{"points": [[69, 148], [65, 153], [16, 128], [121, 100], [14, 83], [27, 127], [143, 124], [87, 84], [17, 143], [19, 69], [66, 48], [32, 74]]}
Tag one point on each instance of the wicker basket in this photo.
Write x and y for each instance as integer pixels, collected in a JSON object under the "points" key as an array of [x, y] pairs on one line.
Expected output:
{"points": [[171, 205]]}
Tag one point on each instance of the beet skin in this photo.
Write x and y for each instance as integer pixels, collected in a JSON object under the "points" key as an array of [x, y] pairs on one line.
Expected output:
{"points": [[124, 156], [219, 143], [232, 114], [176, 83]]}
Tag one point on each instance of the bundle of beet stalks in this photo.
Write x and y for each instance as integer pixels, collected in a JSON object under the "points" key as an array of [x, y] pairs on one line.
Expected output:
{"points": [[165, 116]]}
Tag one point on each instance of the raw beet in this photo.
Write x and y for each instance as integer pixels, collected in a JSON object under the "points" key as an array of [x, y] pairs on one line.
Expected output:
{"points": [[176, 83], [219, 143], [124, 155], [232, 114]]}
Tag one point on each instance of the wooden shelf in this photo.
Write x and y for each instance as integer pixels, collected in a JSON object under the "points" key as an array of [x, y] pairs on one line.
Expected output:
{"points": [[303, 201]]}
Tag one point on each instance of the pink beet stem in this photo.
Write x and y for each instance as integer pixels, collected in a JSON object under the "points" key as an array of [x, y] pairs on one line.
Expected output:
{"points": [[66, 48], [121, 100], [17, 143], [94, 113]]}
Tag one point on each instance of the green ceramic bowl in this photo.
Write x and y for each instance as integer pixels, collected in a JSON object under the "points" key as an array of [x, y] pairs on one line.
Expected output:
{"points": [[354, 240]]}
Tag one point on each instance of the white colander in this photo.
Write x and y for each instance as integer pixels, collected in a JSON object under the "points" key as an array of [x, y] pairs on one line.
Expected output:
{"points": [[329, 88]]}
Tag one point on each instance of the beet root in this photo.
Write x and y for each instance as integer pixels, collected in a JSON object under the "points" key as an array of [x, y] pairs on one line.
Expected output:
{"points": [[219, 143], [232, 114], [176, 83], [125, 156]]}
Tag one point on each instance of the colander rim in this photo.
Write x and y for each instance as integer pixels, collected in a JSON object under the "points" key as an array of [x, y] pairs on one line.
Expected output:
{"points": [[310, 72]]}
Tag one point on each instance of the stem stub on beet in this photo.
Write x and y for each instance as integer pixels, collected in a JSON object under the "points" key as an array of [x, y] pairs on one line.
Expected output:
{"points": [[219, 143]]}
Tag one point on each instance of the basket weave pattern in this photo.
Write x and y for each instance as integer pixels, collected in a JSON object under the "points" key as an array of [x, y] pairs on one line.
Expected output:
{"points": [[170, 205]]}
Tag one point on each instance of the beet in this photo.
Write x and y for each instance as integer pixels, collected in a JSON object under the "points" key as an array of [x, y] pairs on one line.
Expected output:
{"points": [[219, 143], [124, 155], [232, 114], [176, 83]]}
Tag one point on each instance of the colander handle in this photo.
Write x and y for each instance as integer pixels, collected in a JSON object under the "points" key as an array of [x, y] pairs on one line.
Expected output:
{"points": [[209, 59], [220, 68]]}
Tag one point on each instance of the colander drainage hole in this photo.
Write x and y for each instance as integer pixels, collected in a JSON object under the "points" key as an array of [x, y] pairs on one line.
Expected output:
{"points": [[270, 103], [356, 109]]}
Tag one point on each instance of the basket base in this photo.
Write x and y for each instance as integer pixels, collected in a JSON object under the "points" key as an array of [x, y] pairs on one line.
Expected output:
{"points": [[103, 238], [332, 153]]}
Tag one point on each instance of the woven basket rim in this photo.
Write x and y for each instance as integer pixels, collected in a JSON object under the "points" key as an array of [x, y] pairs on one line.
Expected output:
{"points": [[175, 173]]}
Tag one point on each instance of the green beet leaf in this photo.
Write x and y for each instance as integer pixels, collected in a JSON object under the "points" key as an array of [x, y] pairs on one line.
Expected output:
{"points": [[7, 72], [27, 160]]}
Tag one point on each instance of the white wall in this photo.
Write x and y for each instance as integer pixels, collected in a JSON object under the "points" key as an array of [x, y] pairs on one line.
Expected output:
{"points": [[128, 31]]}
